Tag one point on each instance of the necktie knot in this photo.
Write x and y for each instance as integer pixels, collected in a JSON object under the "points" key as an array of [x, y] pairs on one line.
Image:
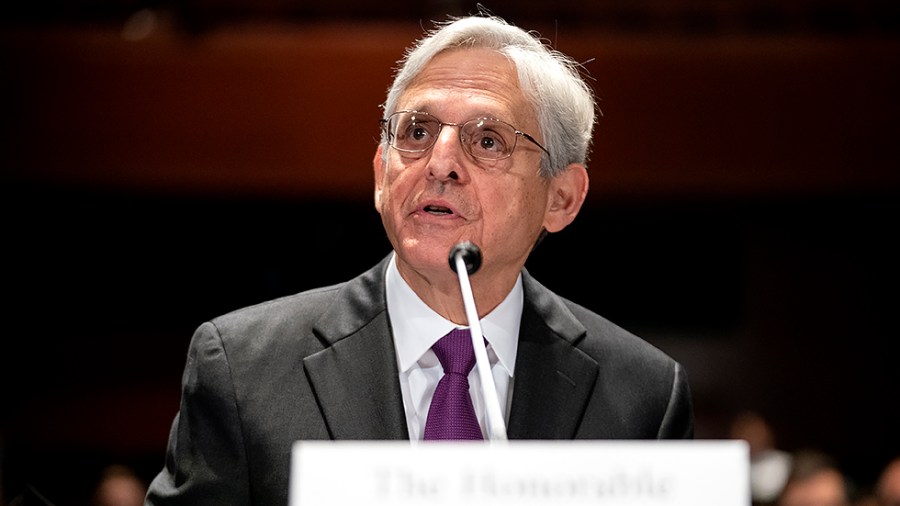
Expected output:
{"points": [[455, 352]]}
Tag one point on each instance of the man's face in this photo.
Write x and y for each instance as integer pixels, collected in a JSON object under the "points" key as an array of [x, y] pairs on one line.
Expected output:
{"points": [[431, 201]]}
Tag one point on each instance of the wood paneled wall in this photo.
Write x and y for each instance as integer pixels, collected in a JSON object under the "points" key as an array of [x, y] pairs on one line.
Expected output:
{"points": [[293, 110]]}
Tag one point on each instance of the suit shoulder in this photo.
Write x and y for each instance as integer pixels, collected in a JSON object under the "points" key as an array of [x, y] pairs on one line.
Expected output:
{"points": [[281, 322]]}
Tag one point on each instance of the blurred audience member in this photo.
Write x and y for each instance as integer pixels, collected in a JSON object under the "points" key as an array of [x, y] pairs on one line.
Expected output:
{"points": [[119, 486], [866, 499], [815, 480], [888, 487], [769, 466]]}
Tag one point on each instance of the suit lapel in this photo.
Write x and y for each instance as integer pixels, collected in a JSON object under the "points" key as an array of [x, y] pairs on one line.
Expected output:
{"points": [[553, 379], [355, 378]]}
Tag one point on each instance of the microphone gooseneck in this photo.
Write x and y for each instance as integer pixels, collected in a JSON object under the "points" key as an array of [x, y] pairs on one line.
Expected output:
{"points": [[471, 255], [465, 259]]}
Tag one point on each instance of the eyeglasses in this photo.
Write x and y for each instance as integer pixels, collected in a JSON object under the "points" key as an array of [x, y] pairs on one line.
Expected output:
{"points": [[415, 132]]}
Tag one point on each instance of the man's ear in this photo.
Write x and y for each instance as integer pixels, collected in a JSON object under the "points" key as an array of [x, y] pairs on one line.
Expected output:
{"points": [[378, 166], [567, 193]]}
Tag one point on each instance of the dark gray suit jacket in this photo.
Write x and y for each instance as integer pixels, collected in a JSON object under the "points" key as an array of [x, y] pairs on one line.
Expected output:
{"points": [[321, 365]]}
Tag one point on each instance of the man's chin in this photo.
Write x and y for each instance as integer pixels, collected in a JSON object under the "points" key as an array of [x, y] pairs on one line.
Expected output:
{"points": [[427, 256]]}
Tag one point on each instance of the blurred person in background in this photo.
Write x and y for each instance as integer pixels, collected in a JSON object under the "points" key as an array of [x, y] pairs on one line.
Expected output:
{"points": [[887, 489], [815, 480], [769, 465], [119, 486]]}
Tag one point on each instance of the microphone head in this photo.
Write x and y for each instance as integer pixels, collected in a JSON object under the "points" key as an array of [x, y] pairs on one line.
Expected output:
{"points": [[471, 256]]}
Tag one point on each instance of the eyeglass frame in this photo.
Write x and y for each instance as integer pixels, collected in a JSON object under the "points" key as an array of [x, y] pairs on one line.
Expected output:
{"points": [[441, 124]]}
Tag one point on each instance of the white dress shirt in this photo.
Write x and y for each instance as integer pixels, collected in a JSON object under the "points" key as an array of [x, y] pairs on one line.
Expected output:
{"points": [[416, 327]]}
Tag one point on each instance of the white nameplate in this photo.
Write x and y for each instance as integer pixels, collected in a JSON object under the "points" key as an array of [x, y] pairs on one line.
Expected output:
{"points": [[520, 473]]}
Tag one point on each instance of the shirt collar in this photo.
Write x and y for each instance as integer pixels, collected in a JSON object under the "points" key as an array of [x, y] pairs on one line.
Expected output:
{"points": [[417, 327]]}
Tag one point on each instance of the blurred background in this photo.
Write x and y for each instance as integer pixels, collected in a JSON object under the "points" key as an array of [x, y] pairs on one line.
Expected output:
{"points": [[165, 162]]}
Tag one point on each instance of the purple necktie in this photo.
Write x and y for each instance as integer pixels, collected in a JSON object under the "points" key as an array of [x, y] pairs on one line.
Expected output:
{"points": [[452, 415]]}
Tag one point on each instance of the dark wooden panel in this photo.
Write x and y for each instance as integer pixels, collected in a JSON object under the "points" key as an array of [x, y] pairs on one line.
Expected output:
{"points": [[293, 110]]}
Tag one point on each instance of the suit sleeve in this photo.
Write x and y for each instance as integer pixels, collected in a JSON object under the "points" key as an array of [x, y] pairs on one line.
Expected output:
{"points": [[206, 461], [678, 421]]}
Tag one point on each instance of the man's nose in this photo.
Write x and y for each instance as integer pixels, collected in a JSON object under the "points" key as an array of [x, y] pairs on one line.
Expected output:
{"points": [[447, 156]]}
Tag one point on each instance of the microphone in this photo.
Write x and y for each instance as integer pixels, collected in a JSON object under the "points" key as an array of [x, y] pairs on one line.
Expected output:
{"points": [[465, 259], [471, 255]]}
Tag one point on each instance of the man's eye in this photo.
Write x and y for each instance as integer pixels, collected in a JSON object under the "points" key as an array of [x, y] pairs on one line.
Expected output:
{"points": [[490, 142]]}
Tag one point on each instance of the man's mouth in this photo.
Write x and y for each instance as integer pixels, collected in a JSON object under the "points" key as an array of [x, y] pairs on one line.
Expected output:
{"points": [[437, 210]]}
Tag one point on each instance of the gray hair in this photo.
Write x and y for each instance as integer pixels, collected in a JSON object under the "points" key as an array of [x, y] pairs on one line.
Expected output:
{"points": [[564, 103]]}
